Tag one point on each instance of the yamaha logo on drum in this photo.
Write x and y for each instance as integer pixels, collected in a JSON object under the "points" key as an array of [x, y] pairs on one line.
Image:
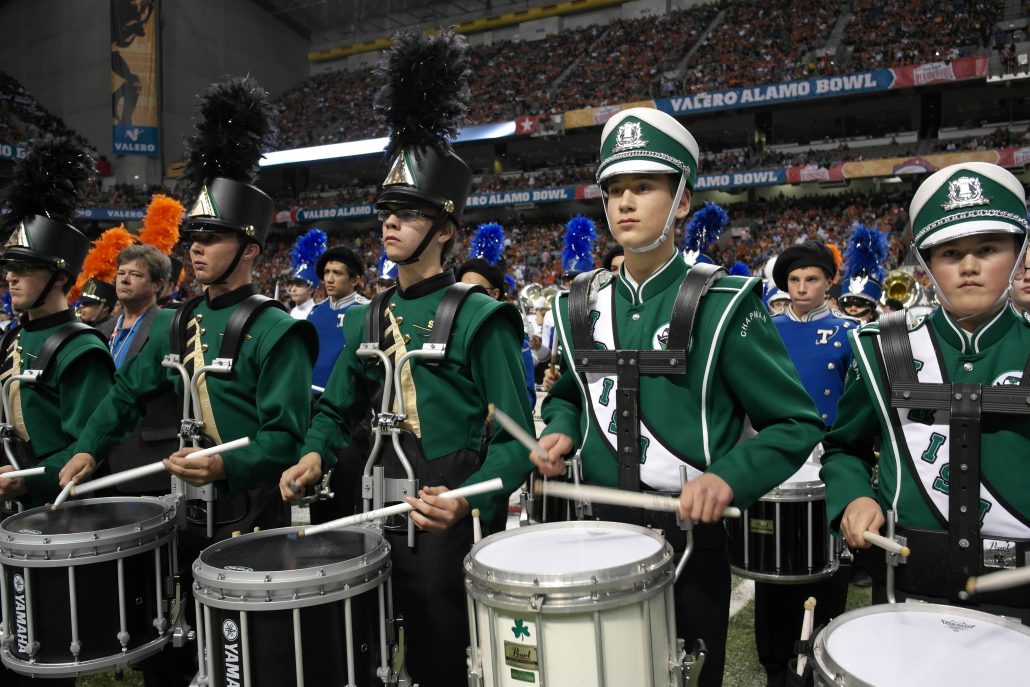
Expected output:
{"points": [[230, 630], [21, 628]]}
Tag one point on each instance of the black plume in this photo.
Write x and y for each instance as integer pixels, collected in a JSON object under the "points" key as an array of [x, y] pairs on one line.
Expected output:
{"points": [[234, 129], [425, 90], [51, 181]]}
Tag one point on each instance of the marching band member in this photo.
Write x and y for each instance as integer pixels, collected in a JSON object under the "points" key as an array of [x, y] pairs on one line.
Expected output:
{"points": [[1021, 286], [41, 258], [421, 206], [636, 425], [954, 476], [817, 341]]}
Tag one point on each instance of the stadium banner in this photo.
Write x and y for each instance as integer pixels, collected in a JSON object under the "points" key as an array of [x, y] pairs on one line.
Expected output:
{"points": [[341, 212], [826, 86], [111, 214], [748, 179], [134, 88], [595, 116], [523, 197], [10, 151], [897, 166]]}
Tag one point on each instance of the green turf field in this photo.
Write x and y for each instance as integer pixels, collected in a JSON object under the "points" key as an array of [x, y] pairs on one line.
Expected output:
{"points": [[742, 667]]}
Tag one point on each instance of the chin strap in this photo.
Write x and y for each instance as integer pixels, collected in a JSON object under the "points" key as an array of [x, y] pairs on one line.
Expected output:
{"points": [[670, 221], [437, 224], [224, 277], [46, 289]]}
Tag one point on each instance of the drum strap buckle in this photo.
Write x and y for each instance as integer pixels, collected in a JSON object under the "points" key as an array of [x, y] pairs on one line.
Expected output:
{"points": [[191, 430]]}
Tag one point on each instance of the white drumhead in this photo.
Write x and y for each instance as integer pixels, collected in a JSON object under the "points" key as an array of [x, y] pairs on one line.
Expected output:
{"points": [[916, 648], [545, 550], [807, 474]]}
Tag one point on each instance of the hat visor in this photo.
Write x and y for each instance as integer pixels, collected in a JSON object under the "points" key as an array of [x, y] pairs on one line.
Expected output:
{"points": [[408, 197], [209, 225], [638, 166], [961, 229], [27, 255]]}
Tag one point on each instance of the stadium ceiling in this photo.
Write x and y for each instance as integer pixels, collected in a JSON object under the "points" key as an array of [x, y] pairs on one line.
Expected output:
{"points": [[322, 20]]}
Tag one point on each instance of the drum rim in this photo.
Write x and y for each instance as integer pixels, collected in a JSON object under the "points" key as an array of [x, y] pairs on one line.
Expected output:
{"points": [[23, 549], [644, 577], [828, 667], [276, 589], [89, 667], [798, 491]]}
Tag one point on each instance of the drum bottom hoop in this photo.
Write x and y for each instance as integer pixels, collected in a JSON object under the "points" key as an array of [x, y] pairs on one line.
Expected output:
{"points": [[772, 578], [97, 665]]}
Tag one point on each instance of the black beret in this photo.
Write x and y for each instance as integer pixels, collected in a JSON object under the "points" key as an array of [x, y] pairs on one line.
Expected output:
{"points": [[611, 255], [491, 273], [807, 254], [340, 254]]}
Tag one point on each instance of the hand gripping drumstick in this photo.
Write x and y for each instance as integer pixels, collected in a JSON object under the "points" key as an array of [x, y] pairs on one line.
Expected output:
{"points": [[153, 468], [63, 495], [886, 544], [618, 497], [806, 632], [495, 484], [1003, 579], [27, 472]]}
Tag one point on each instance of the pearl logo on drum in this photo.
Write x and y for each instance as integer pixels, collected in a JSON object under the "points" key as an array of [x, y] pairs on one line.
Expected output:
{"points": [[230, 630]]}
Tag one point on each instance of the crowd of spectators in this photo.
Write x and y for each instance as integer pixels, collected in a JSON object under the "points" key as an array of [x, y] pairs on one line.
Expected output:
{"points": [[22, 118], [883, 33]]}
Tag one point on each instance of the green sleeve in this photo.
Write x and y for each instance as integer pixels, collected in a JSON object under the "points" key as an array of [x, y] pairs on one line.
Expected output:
{"points": [[283, 405], [90, 376], [562, 409], [137, 382], [848, 459], [758, 372], [330, 428], [500, 373]]}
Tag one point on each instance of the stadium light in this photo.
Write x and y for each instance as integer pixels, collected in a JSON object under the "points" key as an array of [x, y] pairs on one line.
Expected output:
{"points": [[481, 132]]}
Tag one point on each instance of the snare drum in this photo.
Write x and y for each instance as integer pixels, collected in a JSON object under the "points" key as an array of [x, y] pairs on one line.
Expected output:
{"points": [[921, 645], [277, 609], [85, 587], [579, 603], [784, 538]]}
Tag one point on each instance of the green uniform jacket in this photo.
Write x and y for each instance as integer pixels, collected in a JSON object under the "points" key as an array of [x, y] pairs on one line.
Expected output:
{"points": [[55, 410], [738, 370], [483, 365], [994, 354], [266, 398]]}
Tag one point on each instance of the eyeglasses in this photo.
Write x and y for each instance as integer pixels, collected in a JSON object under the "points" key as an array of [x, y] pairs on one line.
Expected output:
{"points": [[19, 267], [404, 215]]}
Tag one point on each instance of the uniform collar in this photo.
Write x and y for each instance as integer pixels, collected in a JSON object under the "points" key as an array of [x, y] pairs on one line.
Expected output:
{"points": [[337, 303], [427, 286], [810, 316], [234, 297], [986, 335], [669, 273], [62, 317]]}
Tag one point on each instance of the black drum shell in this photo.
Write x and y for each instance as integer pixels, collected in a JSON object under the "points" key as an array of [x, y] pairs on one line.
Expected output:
{"points": [[790, 524]]}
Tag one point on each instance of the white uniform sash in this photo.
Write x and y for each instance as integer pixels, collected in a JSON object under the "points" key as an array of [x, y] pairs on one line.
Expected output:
{"points": [[929, 449], [660, 468]]}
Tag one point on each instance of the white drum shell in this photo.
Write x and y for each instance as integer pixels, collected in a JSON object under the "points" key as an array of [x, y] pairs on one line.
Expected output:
{"points": [[604, 626]]}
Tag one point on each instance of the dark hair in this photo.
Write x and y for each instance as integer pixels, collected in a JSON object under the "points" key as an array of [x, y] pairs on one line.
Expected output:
{"points": [[158, 264]]}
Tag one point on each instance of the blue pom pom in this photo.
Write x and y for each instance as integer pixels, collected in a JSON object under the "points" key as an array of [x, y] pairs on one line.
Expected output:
{"points": [[739, 269], [387, 267], [580, 236], [7, 305], [487, 243], [305, 254], [705, 227], [866, 253], [510, 283]]}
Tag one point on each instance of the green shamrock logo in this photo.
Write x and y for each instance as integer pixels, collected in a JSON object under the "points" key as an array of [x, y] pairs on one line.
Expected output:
{"points": [[520, 629]]}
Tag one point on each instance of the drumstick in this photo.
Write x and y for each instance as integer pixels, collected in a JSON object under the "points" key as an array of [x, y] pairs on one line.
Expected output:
{"points": [[1003, 579], [806, 632], [319, 389], [477, 527], [520, 435], [154, 468], [28, 472], [886, 544], [63, 495], [495, 484], [618, 497]]}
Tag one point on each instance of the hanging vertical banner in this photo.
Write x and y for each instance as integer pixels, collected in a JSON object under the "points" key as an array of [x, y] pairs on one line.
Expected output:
{"points": [[134, 76]]}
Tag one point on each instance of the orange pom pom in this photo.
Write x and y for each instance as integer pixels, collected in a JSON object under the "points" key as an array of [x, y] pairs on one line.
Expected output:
{"points": [[161, 223], [101, 262], [838, 259]]}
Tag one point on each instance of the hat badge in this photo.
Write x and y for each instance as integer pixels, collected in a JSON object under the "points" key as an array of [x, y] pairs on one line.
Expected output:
{"points": [[629, 136], [965, 192]]}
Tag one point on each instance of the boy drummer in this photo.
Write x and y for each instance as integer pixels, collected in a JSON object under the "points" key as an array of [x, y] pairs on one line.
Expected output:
{"points": [[636, 428], [954, 374]]}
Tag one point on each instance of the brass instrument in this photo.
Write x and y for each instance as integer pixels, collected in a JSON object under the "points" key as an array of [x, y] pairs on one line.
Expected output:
{"points": [[529, 294], [901, 285]]}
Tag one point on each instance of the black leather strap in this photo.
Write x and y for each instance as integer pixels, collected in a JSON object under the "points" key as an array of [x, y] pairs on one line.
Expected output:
{"points": [[897, 349], [448, 309], [374, 316], [688, 300], [180, 323], [579, 311], [58, 339], [240, 321]]}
